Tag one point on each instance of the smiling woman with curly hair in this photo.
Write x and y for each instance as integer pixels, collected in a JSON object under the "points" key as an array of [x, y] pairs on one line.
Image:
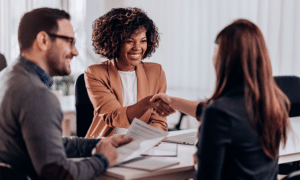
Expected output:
{"points": [[112, 29], [121, 87]]}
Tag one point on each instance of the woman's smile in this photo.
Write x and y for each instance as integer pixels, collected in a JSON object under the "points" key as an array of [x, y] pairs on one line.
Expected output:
{"points": [[133, 50]]}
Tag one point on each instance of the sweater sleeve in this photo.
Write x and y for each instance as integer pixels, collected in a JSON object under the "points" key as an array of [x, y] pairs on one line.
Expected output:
{"points": [[79, 147], [40, 121], [213, 138]]}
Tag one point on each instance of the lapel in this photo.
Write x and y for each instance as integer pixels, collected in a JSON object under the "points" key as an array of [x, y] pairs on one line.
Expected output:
{"points": [[115, 80], [142, 85], [142, 82], [142, 89]]}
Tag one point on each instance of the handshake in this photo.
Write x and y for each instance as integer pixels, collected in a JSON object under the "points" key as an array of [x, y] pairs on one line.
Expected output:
{"points": [[162, 104]]}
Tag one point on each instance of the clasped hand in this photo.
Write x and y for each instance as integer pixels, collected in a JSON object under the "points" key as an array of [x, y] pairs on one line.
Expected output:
{"points": [[162, 104]]}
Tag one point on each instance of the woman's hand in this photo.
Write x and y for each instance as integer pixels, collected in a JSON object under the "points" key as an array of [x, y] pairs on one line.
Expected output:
{"points": [[166, 98], [161, 103]]}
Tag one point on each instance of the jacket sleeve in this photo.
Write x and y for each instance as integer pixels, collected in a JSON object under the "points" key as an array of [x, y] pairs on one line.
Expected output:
{"points": [[79, 147], [156, 120], [104, 99], [40, 121]]}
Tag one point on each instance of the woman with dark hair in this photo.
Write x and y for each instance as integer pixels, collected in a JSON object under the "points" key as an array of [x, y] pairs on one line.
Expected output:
{"points": [[120, 88], [246, 118]]}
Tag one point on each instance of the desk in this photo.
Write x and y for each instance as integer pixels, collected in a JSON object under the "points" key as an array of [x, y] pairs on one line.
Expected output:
{"points": [[185, 169], [292, 150]]}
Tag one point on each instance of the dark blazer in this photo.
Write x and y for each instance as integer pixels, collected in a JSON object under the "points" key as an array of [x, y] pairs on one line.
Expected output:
{"points": [[229, 146]]}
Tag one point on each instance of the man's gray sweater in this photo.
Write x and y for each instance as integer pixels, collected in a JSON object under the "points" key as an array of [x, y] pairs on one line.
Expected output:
{"points": [[30, 129]]}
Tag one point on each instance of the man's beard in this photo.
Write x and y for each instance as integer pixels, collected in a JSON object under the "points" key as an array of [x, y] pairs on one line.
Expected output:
{"points": [[56, 67]]}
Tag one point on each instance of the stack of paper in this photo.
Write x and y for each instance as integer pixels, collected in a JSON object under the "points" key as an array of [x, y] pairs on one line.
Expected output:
{"points": [[144, 138]]}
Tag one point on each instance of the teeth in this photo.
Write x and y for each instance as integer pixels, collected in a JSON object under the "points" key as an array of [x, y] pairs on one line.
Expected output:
{"points": [[134, 55], [137, 55]]}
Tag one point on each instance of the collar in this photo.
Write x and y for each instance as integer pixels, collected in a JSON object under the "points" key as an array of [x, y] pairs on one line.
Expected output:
{"points": [[45, 77]]}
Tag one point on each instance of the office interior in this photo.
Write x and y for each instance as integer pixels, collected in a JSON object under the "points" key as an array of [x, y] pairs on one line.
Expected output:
{"points": [[187, 31]]}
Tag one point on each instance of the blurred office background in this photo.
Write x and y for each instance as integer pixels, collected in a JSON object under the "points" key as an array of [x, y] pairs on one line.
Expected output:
{"points": [[188, 29]]}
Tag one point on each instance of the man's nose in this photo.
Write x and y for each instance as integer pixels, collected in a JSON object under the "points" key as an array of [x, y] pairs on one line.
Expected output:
{"points": [[74, 51]]}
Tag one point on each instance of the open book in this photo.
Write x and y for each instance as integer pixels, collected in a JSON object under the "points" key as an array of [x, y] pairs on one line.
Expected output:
{"points": [[144, 138]]}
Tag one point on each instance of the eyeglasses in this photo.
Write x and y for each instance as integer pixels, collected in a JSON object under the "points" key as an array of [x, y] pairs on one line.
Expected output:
{"points": [[72, 40]]}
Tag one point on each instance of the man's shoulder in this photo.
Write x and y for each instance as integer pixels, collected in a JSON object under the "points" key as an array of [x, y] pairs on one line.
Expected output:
{"points": [[24, 77], [22, 80], [15, 76]]}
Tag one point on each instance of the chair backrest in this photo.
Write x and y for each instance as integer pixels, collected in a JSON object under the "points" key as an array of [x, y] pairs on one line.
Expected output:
{"points": [[293, 176], [290, 85], [3, 63], [8, 172], [84, 108]]}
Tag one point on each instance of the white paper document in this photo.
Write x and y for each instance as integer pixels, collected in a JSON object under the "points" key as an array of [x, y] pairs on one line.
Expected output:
{"points": [[144, 138], [163, 150]]}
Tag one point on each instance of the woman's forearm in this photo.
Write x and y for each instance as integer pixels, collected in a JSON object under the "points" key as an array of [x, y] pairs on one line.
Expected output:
{"points": [[138, 109], [184, 106]]}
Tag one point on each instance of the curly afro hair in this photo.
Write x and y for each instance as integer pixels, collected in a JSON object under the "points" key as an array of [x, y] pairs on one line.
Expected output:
{"points": [[112, 29]]}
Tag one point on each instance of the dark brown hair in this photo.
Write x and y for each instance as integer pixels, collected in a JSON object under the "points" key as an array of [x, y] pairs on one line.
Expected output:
{"points": [[112, 29], [243, 58], [37, 20]]}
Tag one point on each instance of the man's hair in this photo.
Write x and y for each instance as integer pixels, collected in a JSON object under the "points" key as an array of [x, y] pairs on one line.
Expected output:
{"points": [[37, 20], [112, 29]]}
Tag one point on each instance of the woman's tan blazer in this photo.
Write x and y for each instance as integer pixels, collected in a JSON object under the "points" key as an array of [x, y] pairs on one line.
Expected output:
{"points": [[104, 88]]}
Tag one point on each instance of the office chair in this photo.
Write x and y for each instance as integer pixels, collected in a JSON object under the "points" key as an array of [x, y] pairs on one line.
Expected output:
{"points": [[8, 172], [3, 63], [177, 126], [290, 85], [84, 108], [293, 176]]}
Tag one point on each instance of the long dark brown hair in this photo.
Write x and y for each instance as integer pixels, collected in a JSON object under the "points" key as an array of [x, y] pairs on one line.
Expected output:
{"points": [[242, 58]]}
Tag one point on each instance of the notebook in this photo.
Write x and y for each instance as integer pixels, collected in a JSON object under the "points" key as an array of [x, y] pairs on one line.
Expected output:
{"points": [[189, 138]]}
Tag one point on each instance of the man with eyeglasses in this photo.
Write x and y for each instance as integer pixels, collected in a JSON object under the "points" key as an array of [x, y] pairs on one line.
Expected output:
{"points": [[31, 116]]}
